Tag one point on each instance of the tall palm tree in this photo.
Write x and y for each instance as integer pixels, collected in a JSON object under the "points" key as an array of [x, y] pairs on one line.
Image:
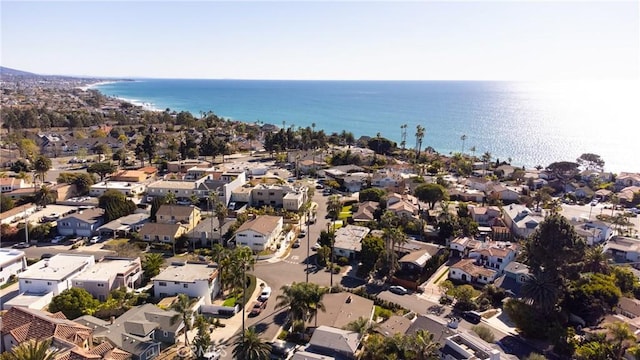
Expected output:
{"points": [[183, 308], [151, 264], [243, 260], [419, 136], [615, 200], [221, 212], [41, 165], [542, 290], [621, 337], [291, 297], [44, 196], [596, 260], [486, 158], [360, 325], [32, 350], [463, 138], [421, 346], [314, 300], [170, 198], [23, 175], [334, 206], [249, 346]]}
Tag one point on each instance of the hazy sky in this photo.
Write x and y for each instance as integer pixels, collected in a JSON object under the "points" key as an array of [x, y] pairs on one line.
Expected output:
{"points": [[324, 40]]}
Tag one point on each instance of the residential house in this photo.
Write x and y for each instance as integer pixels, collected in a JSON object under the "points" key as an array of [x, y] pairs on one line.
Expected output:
{"points": [[478, 183], [197, 280], [626, 179], [626, 195], [468, 271], [180, 188], [157, 232], [494, 254], [12, 263], [9, 184], [82, 223], [584, 192], [334, 342], [388, 179], [208, 230], [354, 182], [461, 246], [395, 324], [623, 249], [130, 176], [601, 230], [590, 234], [142, 331], [515, 274], [109, 274], [274, 196], [348, 240], [181, 166], [628, 307], [521, 220], [54, 274], [467, 346], [366, 211], [484, 215], [124, 225], [403, 205], [188, 216], [129, 189], [464, 194], [259, 233], [504, 193], [414, 261], [341, 309], [72, 339]]}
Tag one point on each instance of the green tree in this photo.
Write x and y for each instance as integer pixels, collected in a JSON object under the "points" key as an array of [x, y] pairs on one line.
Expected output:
{"points": [[42, 165], [73, 303], [360, 325], [334, 206], [249, 346], [184, 313], [102, 169], [621, 337], [202, 341], [371, 194], [591, 161], [464, 295], [484, 333], [431, 193], [115, 205], [542, 290], [120, 157], [303, 300], [44, 196], [420, 132], [28, 149], [151, 265], [32, 350], [149, 146], [372, 249], [6, 203], [221, 212], [21, 166], [596, 260]]}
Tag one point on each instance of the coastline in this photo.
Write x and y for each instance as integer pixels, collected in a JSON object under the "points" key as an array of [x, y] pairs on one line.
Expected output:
{"points": [[93, 85]]}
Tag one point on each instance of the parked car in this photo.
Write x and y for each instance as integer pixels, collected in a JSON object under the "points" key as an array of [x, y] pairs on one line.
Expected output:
{"points": [[397, 289], [22, 245], [257, 308], [303, 233], [95, 240], [296, 244], [316, 246], [57, 239], [265, 294], [594, 202], [45, 256], [472, 316]]}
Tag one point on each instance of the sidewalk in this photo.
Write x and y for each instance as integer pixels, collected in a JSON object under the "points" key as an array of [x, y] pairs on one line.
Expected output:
{"points": [[431, 291]]}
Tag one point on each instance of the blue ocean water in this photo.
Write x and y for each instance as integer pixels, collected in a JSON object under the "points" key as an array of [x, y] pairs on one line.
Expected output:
{"points": [[531, 123]]}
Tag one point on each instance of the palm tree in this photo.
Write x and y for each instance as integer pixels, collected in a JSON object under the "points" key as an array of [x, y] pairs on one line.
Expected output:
{"points": [[621, 336], [314, 300], [596, 260], [360, 325], [419, 136], [221, 212], [249, 346], [473, 151], [334, 206], [421, 346], [541, 290], [243, 259], [41, 166], [33, 350], [23, 175], [463, 138], [170, 198], [152, 264], [486, 158], [615, 200], [292, 298], [44, 196], [183, 308]]}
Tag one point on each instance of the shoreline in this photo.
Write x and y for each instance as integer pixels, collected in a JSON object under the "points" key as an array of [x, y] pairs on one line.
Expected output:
{"points": [[93, 85]]}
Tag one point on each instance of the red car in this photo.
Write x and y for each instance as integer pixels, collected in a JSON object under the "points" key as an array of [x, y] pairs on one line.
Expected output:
{"points": [[257, 307]]}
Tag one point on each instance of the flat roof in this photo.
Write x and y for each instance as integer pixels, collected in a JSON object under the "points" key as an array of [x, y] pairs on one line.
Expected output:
{"points": [[57, 267], [115, 185], [107, 268], [188, 272], [177, 184], [10, 255]]}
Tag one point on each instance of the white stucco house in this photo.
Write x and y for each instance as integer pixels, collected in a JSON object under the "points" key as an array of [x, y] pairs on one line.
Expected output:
{"points": [[259, 233]]}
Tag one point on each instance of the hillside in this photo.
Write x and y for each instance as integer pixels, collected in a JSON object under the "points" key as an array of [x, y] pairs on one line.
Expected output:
{"points": [[14, 72]]}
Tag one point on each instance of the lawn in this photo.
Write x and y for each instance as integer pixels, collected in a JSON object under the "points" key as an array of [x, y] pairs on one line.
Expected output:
{"points": [[345, 213]]}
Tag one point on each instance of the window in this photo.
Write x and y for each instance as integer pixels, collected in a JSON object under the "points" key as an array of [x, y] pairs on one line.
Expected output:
{"points": [[165, 333], [100, 285], [49, 283], [257, 236], [27, 281], [162, 283], [166, 238], [499, 260], [186, 286]]}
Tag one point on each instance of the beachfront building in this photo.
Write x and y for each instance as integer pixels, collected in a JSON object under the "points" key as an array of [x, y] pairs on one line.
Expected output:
{"points": [[54, 275], [197, 280], [259, 233], [130, 189], [12, 263], [109, 274]]}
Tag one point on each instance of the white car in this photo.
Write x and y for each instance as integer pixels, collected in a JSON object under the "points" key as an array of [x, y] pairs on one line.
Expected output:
{"points": [[95, 240], [57, 239], [265, 294], [396, 289], [316, 246]]}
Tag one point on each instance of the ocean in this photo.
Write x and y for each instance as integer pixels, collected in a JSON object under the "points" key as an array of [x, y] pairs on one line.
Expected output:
{"points": [[532, 123]]}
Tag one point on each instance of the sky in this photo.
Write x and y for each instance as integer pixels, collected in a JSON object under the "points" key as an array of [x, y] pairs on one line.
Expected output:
{"points": [[332, 40]]}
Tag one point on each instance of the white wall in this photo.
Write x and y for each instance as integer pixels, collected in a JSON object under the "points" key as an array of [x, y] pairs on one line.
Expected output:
{"points": [[195, 289], [12, 269], [38, 286]]}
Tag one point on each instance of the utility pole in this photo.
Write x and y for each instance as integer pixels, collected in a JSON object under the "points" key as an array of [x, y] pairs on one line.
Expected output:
{"points": [[308, 240], [331, 256]]}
